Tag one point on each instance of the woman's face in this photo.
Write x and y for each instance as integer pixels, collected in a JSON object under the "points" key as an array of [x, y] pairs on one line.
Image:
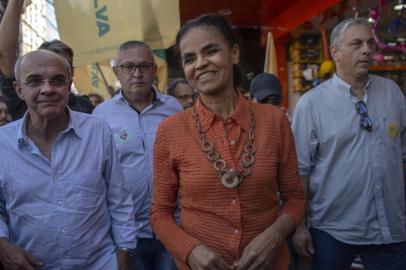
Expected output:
{"points": [[207, 60], [4, 115]]}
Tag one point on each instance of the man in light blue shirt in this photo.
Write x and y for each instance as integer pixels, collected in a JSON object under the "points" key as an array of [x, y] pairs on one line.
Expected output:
{"points": [[64, 203], [134, 115], [351, 145]]}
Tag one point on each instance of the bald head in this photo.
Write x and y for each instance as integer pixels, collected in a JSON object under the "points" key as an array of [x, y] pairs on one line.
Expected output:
{"points": [[40, 56]]}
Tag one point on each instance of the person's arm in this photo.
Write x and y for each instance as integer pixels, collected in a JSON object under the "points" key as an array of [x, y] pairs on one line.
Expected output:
{"points": [[119, 203], [302, 239], [261, 250], [180, 244], [306, 146], [123, 259], [14, 257], [9, 31], [10, 254]]}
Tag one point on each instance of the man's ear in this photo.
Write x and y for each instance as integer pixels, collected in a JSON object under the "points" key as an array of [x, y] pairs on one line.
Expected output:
{"points": [[18, 89], [116, 70], [70, 85], [334, 52]]}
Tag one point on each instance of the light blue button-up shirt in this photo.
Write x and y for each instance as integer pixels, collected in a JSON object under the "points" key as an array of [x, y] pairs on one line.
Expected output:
{"points": [[134, 134], [70, 211], [356, 188]]}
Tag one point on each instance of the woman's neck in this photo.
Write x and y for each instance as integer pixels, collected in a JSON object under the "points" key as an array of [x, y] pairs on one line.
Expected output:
{"points": [[223, 104]]}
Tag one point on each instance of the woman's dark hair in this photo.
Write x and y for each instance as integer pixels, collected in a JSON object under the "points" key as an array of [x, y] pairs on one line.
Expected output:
{"points": [[219, 23]]}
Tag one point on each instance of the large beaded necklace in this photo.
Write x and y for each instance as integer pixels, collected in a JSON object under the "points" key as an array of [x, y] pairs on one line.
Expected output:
{"points": [[228, 177]]}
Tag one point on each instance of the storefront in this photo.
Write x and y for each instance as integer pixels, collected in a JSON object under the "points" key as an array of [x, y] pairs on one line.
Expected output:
{"points": [[301, 30]]}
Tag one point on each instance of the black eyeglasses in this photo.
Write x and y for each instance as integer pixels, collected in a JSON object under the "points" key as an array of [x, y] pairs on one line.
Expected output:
{"points": [[129, 68], [365, 121]]}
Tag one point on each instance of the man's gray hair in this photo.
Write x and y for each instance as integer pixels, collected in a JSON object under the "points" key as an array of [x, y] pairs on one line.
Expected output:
{"points": [[17, 66], [131, 44], [340, 28]]}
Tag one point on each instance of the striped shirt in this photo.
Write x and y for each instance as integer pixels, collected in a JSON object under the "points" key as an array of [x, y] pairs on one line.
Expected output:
{"points": [[224, 219]]}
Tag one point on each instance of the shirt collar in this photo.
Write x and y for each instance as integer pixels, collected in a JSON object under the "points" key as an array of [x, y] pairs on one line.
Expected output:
{"points": [[240, 115], [340, 84], [73, 126], [22, 137]]}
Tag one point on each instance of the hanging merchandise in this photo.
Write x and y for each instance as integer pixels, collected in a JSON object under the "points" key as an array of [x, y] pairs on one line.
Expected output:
{"points": [[375, 14], [306, 56], [327, 66], [398, 24]]}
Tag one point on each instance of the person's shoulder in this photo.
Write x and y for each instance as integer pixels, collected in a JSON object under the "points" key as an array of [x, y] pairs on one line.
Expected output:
{"points": [[176, 121], [376, 78], [11, 127], [106, 104], [266, 109], [320, 89], [268, 115], [10, 131], [382, 81], [88, 121], [110, 105], [314, 94], [386, 87]]}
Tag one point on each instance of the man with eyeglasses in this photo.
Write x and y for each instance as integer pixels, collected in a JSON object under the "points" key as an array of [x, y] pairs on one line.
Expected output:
{"points": [[351, 146], [64, 202], [182, 91], [134, 115]]}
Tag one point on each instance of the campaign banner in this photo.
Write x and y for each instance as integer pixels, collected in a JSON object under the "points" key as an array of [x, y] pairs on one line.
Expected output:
{"points": [[95, 28]]}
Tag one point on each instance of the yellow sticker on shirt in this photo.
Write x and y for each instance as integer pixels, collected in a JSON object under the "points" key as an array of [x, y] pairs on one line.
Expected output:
{"points": [[393, 130]]}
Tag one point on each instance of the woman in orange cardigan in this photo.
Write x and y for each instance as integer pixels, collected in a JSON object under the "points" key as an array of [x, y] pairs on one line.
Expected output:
{"points": [[226, 159]]}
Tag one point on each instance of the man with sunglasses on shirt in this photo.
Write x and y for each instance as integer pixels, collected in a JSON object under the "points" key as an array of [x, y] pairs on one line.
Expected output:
{"points": [[134, 115], [351, 146]]}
